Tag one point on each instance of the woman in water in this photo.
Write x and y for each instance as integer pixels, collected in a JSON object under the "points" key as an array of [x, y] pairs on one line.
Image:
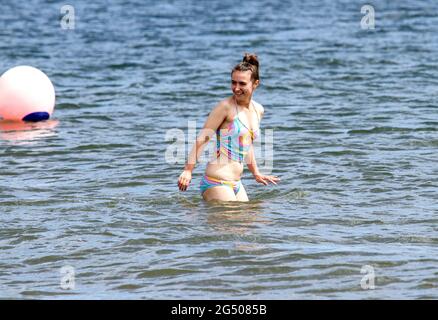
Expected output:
{"points": [[236, 121]]}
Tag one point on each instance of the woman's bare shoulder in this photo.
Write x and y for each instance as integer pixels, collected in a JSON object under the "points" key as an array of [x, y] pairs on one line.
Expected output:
{"points": [[259, 107], [224, 105]]}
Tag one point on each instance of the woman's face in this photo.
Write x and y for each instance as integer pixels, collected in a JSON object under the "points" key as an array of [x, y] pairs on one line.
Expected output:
{"points": [[242, 86]]}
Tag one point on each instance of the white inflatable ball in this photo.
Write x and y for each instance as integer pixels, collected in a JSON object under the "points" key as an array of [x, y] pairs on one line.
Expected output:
{"points": [[26, 94]]}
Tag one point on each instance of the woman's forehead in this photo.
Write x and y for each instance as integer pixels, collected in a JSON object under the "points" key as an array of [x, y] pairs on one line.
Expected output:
{"points": [[241, 75]]}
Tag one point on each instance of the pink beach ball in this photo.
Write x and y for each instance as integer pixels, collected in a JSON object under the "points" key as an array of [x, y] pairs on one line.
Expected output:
{"points": [[26, 94]]}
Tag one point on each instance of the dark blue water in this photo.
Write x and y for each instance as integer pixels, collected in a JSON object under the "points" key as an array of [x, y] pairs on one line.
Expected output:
{"points": [[354, 119]]}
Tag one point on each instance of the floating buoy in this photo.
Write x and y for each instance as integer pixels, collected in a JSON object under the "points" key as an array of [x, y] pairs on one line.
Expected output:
{"points": [[26, 94]]}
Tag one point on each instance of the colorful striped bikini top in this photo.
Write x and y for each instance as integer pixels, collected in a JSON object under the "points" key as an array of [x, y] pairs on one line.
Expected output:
{"points": [[235, 140]]}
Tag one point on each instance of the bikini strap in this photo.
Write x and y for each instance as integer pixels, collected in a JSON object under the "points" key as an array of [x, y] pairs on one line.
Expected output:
{"points": [[257, 113], [237, 110], [237, 113]]}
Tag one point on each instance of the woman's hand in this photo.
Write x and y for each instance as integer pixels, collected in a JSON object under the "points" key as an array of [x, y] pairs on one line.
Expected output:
{"points": [[184, 180], [260, 178]]}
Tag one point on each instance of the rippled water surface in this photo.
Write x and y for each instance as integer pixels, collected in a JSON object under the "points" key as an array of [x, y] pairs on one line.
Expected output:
{"points": [[354, 115]]}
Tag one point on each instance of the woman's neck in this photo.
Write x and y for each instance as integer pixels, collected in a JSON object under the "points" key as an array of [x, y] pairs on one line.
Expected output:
{"points": [[243, 103]]}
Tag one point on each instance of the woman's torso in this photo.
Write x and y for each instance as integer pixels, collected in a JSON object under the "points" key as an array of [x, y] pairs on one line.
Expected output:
{"points": [[222, 167]]}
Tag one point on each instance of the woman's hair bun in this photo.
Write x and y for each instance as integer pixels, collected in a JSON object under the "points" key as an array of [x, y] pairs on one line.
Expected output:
{"points": [[251, 59], [250, 62]]}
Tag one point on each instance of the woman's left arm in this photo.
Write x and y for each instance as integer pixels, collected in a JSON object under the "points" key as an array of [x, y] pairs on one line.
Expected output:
{"points": [[252, 166], [251, 160]]}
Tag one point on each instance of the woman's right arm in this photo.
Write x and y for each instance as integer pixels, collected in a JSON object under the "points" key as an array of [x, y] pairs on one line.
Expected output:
{"points": [[214, 120]]}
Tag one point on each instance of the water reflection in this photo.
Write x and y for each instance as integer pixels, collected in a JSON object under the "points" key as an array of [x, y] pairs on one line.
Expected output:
{"points": [[241, 220], [235, 217], [26, 132]]}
